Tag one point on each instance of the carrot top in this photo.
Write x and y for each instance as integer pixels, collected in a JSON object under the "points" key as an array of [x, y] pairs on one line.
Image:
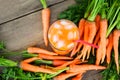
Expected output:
{"points": [[44, 4], [95, 9]]}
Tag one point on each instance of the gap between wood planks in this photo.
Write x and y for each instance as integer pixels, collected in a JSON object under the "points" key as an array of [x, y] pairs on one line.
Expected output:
{"points": [[30, 13]]}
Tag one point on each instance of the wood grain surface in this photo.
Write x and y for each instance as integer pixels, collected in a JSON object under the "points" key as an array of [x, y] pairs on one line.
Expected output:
{"points": [[13, 9]]}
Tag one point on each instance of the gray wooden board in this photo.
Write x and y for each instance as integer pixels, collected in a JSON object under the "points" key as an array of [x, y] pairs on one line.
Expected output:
{"points": [[12, 9]]}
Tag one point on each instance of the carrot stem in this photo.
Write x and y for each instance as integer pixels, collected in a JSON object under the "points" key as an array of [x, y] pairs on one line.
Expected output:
{"points": [[58, 72], [111, 27], [97, 6], [111, 10], [43, 61], [44, 3], [89, 8]]}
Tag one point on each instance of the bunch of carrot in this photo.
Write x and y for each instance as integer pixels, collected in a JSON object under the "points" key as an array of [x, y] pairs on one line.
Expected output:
{"points": [[93, 30], [50, 63]]}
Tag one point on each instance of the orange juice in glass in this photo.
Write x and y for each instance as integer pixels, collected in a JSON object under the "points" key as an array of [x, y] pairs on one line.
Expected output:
{"points": [[62, 35]]}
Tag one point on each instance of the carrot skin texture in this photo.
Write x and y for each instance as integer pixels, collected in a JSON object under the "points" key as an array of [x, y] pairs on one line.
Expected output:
{"points": [[58, 62], [116, 35], [101, 51], [84, 67], [81, 31], [28, 67], [78, 77], [39, 50], [64, 76], [46, 12], [69, 63], [89, 34], [103, 26], [32, 68], [109, 48], [53, 57], [97, 21]]}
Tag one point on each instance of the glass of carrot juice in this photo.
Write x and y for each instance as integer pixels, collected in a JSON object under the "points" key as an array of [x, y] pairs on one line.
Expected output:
{"points": [[62, 35]]}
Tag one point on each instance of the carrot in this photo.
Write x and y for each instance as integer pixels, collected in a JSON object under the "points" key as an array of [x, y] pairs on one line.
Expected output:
{"points": [[70, 63], [39, 50], [116, 35], [84, 67], [101, 52], [97, 38], [97, 21], [74, 50], [103, 31], [81, 31], [81, 27], [64, 76], [89, 34], [28, 67], [109, 48], [46, 12], [98, 54], [78, 77], [58, 62], [51, 57], [54, 62]]}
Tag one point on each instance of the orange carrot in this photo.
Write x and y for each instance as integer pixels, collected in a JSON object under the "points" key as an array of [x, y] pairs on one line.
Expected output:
{"points": [[28, 67], [109, 48], [84, 67], [39, 50], [74, 50], [97, 21], [103, 31], [116, 35], [101, 52], [81, 27], [78, 77], [81, 31], [97, 37], [51, 57], [58, 62], [46, 12], [64, 76], [89, 34], [70, 63], [98, 54]]}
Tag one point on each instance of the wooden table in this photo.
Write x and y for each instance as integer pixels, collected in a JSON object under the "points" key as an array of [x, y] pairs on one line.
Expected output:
{"points": [[20, 24]]}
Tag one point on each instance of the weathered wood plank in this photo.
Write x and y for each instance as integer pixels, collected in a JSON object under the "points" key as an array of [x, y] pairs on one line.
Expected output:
{"points": [[27, 31], [12, 9]]}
